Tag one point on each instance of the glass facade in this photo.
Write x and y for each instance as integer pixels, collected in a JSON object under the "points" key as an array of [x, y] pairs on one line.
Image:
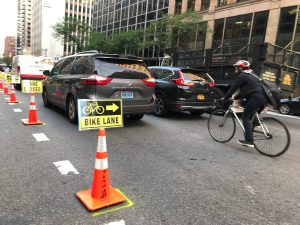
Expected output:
{"points": [[113, 16], [286, 28], [238, 30]]}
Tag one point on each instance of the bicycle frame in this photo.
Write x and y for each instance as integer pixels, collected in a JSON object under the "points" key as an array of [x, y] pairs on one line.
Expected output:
{"points": [[233, 111]]}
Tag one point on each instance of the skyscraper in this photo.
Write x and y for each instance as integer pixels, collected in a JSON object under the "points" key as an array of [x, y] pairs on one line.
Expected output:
{"points": [[24, 27]]}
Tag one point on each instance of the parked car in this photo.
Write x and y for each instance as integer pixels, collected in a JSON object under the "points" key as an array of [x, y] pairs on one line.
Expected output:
{"points": [[289, 106], [91, 75], [183, 89]]}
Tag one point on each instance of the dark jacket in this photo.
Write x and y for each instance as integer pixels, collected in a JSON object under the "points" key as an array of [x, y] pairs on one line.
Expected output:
{"points": [[248, 85]]}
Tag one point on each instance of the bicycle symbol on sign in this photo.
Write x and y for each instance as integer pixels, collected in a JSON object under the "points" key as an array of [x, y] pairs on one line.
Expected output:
{"points": [[93, 107]]}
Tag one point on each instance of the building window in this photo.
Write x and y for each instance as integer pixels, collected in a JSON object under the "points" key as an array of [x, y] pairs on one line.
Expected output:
{"points": [[237, 30], [222, 2], [259, 27], [286, 27], [191, 5], [178, 5], [218, 33], [205, 4]]}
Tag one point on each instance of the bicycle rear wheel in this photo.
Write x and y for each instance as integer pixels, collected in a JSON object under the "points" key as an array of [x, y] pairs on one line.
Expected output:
{"points": [[277, 140], [221, 125]]}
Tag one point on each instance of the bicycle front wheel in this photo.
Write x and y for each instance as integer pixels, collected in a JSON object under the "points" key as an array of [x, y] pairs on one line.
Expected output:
{"points": [[221, 125], [272, 138]]}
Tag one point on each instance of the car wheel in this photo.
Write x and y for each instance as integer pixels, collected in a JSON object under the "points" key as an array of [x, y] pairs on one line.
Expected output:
{"points": [[197, 112], [284, 109], [45, 99], [72, 110], [160, 108], [136, 117]]}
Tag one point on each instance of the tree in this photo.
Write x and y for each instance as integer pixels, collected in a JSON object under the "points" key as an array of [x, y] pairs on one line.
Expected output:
{"points": [[124, 42], [6, 60], [72, 31], [168, 31]]}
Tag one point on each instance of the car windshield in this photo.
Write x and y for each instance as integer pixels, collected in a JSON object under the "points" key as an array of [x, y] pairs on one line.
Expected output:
{"points": [[194, 75], [120, 68]]}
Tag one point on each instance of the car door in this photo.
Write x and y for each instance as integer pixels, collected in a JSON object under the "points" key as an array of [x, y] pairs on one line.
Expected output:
{"points": [[62, 81], [296, 105], [50, 82]]}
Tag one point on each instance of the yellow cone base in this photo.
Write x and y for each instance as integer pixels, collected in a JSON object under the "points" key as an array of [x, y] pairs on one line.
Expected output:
{"points": [[26, 122], [93, 203]]}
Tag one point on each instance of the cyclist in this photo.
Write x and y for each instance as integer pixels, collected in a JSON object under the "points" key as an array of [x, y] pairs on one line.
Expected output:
{"points": [[251, 94]]}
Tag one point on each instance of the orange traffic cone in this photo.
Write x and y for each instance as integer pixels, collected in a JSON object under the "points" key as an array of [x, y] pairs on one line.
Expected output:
{"points": [[5, 89], [13, 98], [102, 194], [1, 85], [32, 119]]}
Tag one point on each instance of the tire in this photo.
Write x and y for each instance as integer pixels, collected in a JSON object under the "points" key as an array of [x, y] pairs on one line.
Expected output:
{"points": [[160, 108], [45, 99], [136, 117], [18, 86], [221, 133], [284, 109], [196, 112], [278, 140], [72, 110]]}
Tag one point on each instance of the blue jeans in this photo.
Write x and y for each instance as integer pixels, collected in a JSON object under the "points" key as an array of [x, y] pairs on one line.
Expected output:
{"points": [[250, 107]]}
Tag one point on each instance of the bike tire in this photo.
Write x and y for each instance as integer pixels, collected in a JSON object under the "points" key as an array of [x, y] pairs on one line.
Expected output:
{"points": [[278, 140], [221, 133], [86, 110]]}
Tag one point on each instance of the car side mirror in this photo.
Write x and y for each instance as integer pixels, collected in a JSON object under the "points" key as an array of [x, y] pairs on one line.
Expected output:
{"points": [[46, 72]]}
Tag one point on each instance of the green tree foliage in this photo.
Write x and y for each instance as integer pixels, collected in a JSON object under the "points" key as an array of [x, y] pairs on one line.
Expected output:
{"points": [[72, 31], [124, 42], [6, 60], [168, 31]]}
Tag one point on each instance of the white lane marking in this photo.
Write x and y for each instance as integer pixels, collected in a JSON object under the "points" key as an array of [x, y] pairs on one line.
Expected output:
{"points": [[250, 189], [7, 98], [287, 116], [65, 167], [11, 103], [40, 137], [17, 110], [121, 222]]}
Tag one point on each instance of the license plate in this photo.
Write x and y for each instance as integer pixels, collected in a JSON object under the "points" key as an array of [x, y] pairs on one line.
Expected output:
{"points": [[127, 94], [200, 97]]}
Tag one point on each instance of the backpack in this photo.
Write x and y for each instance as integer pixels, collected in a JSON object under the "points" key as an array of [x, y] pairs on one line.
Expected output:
{"points": [[272, 93]]}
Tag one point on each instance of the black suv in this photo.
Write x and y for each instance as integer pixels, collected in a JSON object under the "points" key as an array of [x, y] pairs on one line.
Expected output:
{"points": [[91, 75], [183, 89]]}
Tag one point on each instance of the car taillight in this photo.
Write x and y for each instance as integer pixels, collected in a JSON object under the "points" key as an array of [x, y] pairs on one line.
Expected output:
{"points": [[150, 82], [180, 81], [95, 80], [212, 84]]}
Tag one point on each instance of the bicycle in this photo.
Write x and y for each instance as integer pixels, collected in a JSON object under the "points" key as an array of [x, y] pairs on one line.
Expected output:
{"points": [[93, 107], [271, 136]]}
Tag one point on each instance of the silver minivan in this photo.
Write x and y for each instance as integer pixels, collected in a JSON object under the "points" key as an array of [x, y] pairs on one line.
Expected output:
{"points": [[100, 76]]}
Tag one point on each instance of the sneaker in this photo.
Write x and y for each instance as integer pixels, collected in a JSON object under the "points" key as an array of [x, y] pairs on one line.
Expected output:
{"points": [[246, 143]]}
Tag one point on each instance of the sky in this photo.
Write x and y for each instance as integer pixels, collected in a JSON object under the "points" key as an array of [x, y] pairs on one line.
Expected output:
{"points": [[8, 20]]}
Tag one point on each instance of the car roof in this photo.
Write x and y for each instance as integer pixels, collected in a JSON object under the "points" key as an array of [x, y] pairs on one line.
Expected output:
{"points": [[176, 68], [106, 55]]}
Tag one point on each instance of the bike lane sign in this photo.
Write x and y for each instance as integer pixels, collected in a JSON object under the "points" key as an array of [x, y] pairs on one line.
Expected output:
{"points": [[95, 114]]}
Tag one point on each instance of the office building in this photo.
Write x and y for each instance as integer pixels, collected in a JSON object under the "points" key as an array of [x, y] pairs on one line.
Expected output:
{"points": [[24, 27]]}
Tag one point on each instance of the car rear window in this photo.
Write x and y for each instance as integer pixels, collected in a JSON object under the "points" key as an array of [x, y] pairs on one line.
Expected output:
{"points": [[194, 75], [120, 68]]}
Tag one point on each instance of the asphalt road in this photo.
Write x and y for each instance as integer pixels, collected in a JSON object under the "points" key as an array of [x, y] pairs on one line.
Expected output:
{"points": [[169, 167]]}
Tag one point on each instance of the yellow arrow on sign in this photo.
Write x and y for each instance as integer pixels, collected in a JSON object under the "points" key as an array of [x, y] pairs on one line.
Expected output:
{"points": [[112, 107]]}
